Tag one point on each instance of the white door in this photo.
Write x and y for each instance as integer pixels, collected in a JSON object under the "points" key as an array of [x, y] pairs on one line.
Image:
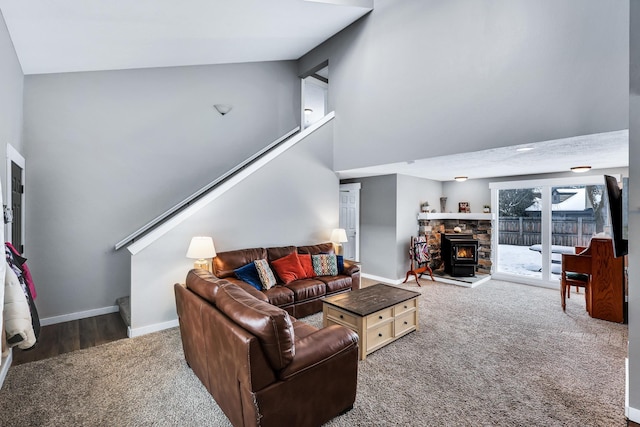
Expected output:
{"points": [[350, 219]]}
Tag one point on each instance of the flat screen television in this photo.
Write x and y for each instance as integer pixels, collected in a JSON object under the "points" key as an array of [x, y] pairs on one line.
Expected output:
{"points": [[616, 207]]}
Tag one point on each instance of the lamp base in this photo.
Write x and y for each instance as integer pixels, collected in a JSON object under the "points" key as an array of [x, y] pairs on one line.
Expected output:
{"points": [[201, 264]]}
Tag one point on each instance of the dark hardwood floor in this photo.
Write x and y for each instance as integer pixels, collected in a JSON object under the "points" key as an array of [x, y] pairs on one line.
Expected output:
{"points": [[74, 335]]}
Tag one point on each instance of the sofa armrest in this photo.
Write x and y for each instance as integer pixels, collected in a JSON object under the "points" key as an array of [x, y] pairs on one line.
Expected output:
{"points": [[351, 267], [319, 347]]}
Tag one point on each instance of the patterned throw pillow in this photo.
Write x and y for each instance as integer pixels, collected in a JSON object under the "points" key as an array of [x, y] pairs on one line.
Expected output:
{"points": [[266, 275], [325, 264]]}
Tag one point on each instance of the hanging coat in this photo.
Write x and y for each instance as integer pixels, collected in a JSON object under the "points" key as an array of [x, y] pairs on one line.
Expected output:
{"points": [[17, 315], [14, 263]]}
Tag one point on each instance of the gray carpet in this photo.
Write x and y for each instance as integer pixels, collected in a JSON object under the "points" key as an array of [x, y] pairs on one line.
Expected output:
{"points": [[500, 354]]}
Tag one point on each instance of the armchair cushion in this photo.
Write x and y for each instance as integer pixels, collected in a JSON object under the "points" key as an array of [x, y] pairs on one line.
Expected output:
{"points": [[270, 324], [318, 347]]}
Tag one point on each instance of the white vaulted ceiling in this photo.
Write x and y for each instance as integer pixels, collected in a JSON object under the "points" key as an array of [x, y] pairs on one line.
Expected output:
{"points": [[53, 36]]}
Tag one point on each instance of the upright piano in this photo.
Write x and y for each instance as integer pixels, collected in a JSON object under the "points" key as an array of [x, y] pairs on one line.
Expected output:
{"points": [[608, 284]]}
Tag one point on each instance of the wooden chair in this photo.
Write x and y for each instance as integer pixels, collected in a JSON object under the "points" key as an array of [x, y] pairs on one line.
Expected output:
{"points": [[576, 271], [419, 255]]}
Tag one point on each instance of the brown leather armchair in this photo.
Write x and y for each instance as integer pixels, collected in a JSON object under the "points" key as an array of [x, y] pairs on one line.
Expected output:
{"points": [[263, 367]]}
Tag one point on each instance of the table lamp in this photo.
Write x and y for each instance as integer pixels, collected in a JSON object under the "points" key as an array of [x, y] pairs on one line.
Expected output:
{"points": [[338, 236], [201, 248]]}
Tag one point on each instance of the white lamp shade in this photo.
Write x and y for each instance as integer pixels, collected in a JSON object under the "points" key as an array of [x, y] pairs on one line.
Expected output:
{"points": [[338, 235], [201, 247]]}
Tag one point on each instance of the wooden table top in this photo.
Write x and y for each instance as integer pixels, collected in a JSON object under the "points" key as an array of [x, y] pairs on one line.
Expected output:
{"points": [[368, 300]]}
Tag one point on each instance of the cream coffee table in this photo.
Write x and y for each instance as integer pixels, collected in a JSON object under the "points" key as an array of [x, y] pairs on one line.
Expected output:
{"points": [[379, 314]]}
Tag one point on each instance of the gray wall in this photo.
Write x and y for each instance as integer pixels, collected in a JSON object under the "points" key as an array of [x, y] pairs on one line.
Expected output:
{"points": [[11, 86], [378, 225], [109, 151], [634, 215], [411, 193], [389, 205], [269, 208], [418, 79]]}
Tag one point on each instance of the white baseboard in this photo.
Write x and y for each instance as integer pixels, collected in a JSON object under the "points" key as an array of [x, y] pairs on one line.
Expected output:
{"points": [[6, 364], [136, 332], [78, 315], [381, 279], [633, 414]]}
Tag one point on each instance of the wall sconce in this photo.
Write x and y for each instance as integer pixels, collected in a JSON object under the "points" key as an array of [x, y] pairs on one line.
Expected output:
{"points": [[338, 236], [580, 169], [223, 108], [201, 248], [461, 178]]}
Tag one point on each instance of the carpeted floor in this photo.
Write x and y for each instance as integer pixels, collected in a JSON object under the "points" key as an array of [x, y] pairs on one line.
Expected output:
{"points": [[500, 354]]}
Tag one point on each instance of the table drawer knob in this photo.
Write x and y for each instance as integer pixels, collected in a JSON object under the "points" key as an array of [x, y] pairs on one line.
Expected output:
{"points": [[406, 306], [380, 335], [406, 323], [380, 317], [342, 316]]}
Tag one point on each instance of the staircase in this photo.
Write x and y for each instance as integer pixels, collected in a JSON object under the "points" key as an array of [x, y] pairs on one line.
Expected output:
{"points": [[304, 173]]}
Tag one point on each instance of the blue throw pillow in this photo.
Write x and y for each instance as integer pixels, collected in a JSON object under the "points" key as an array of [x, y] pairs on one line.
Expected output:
{"points": [[249, 273], [340, 261]]}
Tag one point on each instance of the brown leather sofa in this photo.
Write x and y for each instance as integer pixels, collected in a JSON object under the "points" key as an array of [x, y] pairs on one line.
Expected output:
{"points": [[262, 366], [299, 298]]}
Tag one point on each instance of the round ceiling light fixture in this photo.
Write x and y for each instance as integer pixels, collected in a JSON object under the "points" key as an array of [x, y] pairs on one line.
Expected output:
{"points": [[580, 169], [461, 178]]}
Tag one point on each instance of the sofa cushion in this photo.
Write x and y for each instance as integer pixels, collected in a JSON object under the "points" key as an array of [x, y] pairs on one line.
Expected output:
{"points": [[307, 265], [288, 268], [325, 265], [278, 252], [225, 262], [271, 325], [249, 273], [326, 248], [279, 296], [336, 283], [266, 275], [307, 289]]}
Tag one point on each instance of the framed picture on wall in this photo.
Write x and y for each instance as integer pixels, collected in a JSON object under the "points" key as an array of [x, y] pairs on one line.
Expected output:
{"points": [[463, 207]]}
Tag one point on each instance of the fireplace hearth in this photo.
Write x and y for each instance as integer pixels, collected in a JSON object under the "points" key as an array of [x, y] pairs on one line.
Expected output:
{"points": [[459, 254]]}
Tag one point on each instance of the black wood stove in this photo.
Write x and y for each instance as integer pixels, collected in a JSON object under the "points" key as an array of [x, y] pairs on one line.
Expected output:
{"points": [[459, 253]]}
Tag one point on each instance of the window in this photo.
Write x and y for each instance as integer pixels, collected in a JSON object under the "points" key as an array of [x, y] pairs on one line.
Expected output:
{"points": [[539, 220]]}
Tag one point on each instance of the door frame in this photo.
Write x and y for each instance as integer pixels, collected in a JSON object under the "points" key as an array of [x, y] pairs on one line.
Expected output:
{"points": [[14, 156], [355, 187]]}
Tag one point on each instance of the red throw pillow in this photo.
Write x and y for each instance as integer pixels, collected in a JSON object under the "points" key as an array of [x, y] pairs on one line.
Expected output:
{"points": [[307, 265], [288, 268]]}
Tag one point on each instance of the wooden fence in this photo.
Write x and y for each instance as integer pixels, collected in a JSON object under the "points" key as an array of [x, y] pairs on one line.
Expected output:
{"points": [[521, 231]]}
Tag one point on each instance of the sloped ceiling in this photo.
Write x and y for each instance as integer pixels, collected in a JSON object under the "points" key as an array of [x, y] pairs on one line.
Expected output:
{"points": [[54, 36]]}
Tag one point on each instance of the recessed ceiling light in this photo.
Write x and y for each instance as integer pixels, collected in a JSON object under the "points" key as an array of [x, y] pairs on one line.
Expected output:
{"points": [[461, 178], [521, 149], [580, 169]]}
